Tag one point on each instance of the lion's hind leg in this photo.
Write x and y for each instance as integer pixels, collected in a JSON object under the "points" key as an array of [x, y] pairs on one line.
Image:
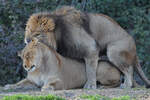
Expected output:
{"points": [[122, 58], [128, 76]]}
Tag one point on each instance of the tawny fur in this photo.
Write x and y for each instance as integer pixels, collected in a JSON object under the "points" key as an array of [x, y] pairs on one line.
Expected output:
{"points": [[83, 35], [49, 75]]}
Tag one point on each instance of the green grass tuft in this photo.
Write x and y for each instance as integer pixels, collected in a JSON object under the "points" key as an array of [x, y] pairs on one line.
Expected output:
{"points": [[95, 97], [28, 97], [123, 98]]}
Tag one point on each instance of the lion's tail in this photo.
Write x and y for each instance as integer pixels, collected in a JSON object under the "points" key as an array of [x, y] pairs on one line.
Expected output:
{"points": [[141, 73]]}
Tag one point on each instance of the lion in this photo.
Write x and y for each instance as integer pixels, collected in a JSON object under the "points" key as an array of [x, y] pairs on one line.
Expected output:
{"points": [[81, 35], [51, 71]]}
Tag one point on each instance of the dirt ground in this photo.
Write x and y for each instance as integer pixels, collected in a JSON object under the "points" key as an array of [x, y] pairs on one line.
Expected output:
{"points": [[136, 93]]}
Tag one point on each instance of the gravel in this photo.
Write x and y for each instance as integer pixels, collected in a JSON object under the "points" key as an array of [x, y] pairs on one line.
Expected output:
{"points": [[136, 93]]}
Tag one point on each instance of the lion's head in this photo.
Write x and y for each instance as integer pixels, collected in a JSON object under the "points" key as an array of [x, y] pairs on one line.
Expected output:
{"points": [[48, 26], [41, 26], [31, 56], [35, 54]]}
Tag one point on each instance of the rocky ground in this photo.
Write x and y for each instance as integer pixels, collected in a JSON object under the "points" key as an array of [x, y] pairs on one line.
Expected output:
{"points": [[137, 93]]}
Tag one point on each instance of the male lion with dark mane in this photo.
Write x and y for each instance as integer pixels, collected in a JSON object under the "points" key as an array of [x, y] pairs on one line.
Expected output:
{"points": [[50, 71], [83, 36]]}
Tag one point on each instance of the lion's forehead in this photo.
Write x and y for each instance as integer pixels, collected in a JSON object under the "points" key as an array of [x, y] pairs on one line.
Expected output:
{"points": [[29, 52]]}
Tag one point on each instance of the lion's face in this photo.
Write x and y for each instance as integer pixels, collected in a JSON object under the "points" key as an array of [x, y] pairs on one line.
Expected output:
{"points": [[39, 25], [28, 61], [31, 57]]}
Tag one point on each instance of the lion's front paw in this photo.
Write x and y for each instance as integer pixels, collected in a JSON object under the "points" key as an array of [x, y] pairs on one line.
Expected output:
{"points": [[9, 86], [45, 88], [90, 85]]}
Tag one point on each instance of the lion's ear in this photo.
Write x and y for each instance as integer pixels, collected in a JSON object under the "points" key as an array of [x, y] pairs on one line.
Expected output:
{"points": [[47, 24]]}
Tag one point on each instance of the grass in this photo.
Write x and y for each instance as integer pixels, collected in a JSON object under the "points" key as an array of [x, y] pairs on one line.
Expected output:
{"points": [[99, 97], [52, 97], [28, 97]]}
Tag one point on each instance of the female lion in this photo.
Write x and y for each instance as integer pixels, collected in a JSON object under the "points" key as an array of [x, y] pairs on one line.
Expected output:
{"points": [[50, 71]]}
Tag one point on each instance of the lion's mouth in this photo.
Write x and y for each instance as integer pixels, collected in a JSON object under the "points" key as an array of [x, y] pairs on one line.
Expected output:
{"points": [[31, 69]]}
